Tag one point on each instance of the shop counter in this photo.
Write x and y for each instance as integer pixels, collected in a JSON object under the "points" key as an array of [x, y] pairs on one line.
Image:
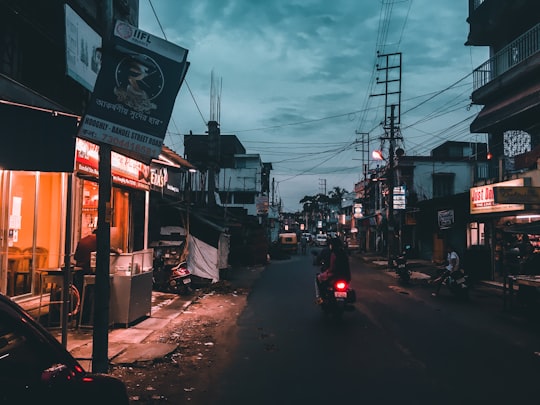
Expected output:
{"points": [[513, 282], [131, 292]]}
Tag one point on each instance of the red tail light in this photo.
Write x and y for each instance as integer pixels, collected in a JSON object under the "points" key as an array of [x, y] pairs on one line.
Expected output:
{"points": [[340, 285]]}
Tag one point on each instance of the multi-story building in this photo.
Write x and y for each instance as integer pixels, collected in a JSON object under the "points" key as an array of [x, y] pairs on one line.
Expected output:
{"points": [[435, 208], [507, 85], [242, 179]]}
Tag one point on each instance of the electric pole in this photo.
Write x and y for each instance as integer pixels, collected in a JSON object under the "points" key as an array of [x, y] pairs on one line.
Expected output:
{"points": [[392, 100]]}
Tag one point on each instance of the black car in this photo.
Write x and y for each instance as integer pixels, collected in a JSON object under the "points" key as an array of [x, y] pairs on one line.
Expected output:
{"points": [[36, 368]]}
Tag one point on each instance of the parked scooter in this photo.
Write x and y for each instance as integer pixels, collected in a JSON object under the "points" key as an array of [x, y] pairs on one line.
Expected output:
{"points": [[457, 282], [401, 268], [170, 273]]}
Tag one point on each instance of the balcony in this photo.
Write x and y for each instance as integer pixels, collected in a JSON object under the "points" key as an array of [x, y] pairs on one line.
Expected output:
{"points": [[511, 55]]}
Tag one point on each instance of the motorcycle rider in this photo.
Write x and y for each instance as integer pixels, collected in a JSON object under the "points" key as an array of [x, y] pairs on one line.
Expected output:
{"points": [[338, 267], [452, 269]]}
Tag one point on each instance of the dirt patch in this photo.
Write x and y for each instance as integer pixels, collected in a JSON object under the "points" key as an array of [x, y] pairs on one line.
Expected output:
{"points": [[205, 334]]}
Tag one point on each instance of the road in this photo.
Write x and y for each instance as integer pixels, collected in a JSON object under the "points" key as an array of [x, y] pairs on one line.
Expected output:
{"points": [[400, 346]]}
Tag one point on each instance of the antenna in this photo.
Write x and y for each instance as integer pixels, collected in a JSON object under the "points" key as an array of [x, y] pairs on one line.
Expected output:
{"points": [[216, 85]]}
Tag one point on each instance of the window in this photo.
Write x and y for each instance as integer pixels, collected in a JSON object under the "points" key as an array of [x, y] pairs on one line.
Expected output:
{"points": [[443, 184], [244, 198]]}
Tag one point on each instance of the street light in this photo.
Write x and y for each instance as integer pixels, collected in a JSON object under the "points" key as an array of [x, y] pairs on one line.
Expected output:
{"points": [[377, 155]]}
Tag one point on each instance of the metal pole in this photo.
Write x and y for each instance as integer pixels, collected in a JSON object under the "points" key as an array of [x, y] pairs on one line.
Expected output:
{"points": [[66, 302], [390, 219], [100, 348]]}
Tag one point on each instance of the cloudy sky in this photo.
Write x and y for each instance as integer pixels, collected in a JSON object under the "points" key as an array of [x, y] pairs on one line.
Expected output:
{"points": [[298, 84]]}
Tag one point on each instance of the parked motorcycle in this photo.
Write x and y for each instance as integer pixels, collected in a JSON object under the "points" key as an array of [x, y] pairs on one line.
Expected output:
{"points": [[401, 268], [170, 273], [457, 282]]}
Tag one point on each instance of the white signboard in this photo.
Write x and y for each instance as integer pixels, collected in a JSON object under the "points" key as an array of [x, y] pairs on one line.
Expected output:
{"points": [[399, 198], [83, 55]]}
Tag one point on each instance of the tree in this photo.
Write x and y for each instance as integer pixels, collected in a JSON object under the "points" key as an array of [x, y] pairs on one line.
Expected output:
{"points": [[336, 194]]}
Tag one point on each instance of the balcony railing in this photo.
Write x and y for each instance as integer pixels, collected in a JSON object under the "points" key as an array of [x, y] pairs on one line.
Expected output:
{"points": [[512, 54]]}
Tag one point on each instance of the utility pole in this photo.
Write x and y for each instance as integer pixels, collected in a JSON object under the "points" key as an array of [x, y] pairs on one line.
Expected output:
{"points": [[390, 219], [392, 100], [100, 345], [213, 160]]}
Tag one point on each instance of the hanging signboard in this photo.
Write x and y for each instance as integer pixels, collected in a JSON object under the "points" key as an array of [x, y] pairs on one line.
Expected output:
{"points": [[83, 44], [399, 198], [482, 199], [445, 219], [134, 94]]}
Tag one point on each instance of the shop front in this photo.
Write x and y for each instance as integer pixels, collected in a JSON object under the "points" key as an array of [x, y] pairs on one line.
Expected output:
{"points": [[36, 161], [131, 270], [498, 229]]}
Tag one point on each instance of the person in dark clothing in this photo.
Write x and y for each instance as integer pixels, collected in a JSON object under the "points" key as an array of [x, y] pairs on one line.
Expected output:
{"points": [[338, 267]]}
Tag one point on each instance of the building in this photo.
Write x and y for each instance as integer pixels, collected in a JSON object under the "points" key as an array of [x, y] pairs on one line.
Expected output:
{"points": [[242, 180], [507, 85], [430, 200]]}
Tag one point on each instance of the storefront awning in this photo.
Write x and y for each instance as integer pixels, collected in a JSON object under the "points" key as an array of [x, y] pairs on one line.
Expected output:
{"points": [[530, 228], [36, 133]]}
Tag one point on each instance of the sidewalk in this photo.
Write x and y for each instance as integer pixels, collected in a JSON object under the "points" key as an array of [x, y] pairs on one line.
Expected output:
{"points": [[422, 270], [135, 344]]}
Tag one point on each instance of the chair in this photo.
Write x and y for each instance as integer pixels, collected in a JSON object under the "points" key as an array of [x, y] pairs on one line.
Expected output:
{"points": [[15, 262], [35, 258]]}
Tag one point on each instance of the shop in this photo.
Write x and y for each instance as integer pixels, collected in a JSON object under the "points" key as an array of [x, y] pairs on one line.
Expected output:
{"points": [[35, 168], [498, 230]]}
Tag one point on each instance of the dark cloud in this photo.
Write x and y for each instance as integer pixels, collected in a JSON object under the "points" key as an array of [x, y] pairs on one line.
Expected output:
{"points": [[286, 62]]}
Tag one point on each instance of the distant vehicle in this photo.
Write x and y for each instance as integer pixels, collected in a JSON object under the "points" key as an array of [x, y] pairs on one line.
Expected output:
{"points": [[36, 368], [308, 236], [321, 239], [288, 242]]}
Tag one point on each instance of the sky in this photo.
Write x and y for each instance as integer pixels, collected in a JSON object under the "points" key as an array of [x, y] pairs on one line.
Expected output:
{"points": [[302, 82]]}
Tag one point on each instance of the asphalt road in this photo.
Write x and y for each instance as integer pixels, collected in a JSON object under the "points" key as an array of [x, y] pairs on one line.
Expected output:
{"points": [[400, 346]]}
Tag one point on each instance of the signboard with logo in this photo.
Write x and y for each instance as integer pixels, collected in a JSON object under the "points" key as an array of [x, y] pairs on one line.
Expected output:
{"points": [[482, 199], [166, 180], [134, 94], [125, 171]]}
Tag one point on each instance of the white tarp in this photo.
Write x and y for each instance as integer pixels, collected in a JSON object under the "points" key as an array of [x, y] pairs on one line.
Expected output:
{"points": [[203, 259]]}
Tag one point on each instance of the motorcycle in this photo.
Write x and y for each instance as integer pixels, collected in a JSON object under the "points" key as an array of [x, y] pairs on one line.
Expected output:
{"points": [[400, 266], [170, 273], [457, 282], [336, 297]]}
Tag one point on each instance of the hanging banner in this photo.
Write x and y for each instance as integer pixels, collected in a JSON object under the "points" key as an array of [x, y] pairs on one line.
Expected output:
{"points": [[134, 94]]}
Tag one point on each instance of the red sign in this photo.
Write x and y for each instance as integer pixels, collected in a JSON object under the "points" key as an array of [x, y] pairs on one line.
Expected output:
{"points": [[125, 171]]}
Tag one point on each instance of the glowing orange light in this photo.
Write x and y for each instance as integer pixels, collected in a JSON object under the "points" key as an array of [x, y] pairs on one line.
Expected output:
{"points": [[377, 155]]}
